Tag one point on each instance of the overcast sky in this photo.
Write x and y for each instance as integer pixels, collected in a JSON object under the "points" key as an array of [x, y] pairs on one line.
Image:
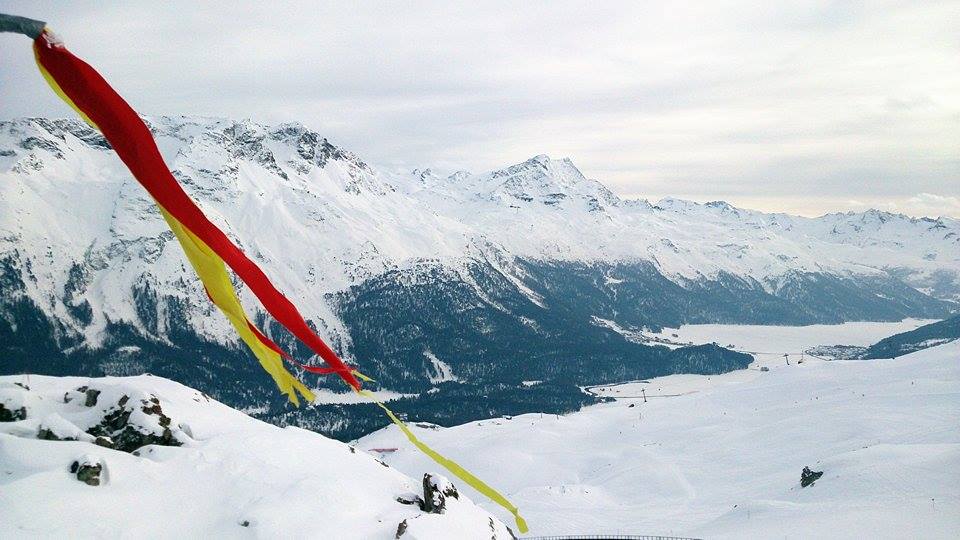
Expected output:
{"points": [[803, 107]]}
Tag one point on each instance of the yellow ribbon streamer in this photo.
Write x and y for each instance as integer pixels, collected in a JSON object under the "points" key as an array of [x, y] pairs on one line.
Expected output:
{"points": [[451, 465], [213, 273]]}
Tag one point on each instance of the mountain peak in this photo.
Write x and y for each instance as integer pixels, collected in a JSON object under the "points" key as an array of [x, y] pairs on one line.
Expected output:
{"points": [[545, 161], [540, 159], [541, 165], [458, 176]]}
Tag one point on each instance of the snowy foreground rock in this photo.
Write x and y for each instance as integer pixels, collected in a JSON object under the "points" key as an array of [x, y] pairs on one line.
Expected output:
{"points": [[722, 456], [145, 457]]}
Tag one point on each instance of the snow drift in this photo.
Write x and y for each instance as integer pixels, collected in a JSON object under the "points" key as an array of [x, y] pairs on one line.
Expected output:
{"points": [[203, 471]]}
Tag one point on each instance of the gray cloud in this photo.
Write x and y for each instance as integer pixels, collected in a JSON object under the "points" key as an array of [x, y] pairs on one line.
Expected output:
{"points": [[807, 107]]}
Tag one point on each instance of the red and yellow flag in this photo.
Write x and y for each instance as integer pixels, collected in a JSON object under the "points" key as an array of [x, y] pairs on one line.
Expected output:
{"points": [[208, 249]]}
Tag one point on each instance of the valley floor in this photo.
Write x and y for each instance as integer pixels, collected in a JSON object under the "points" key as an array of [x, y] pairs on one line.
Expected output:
{"points": [[721, 456]]}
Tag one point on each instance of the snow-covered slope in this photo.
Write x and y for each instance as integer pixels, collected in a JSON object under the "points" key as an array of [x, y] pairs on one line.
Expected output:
{"points": [[721, 456], [225, 476]]}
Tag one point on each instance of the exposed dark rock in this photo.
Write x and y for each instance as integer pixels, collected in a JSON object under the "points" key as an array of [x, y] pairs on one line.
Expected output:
{"points": [[36, 142], [115, 420], [92, 396], [808, 477], [152, 407], [493, 530], [401, 529], [128, 437], [105, 442], [87, 472], [410, 498], [115, 430], [12, 415], [244, 523], [436, 489], [47, 434]]}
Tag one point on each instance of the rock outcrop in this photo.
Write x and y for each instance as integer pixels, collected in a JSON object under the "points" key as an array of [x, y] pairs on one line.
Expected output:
{"points": [[88, 470], [808, 477]]}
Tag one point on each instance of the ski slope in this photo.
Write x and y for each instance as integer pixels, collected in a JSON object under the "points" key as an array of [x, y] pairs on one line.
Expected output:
{"points": [[721, 456]]}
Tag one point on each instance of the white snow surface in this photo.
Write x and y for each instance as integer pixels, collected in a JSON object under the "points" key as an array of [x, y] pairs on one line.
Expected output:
{"points": [[318, 220], [755, 339], [325, 395], [721, 456], [440, 370], [286, 483]]}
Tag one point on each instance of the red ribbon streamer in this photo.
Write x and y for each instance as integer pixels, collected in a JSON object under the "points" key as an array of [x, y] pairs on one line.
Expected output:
{"points": [[132, 141]]}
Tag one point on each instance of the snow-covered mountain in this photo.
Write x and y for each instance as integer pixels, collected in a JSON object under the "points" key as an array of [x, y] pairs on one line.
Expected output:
{"points": [[147, 457], [547, 209], [508, 275]]}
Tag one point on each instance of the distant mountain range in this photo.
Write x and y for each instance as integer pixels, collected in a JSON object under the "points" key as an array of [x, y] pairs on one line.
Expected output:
{"points": [[447, 286]]}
